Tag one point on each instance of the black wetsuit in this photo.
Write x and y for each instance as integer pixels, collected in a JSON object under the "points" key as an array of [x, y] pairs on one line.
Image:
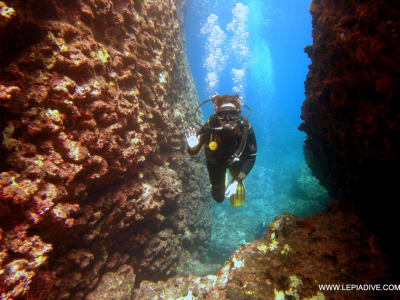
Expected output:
{"points": [[221, 159]]}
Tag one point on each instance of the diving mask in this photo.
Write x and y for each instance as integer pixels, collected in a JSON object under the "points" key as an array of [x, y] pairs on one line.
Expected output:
{"points": [[228, 119], [228, 115]]}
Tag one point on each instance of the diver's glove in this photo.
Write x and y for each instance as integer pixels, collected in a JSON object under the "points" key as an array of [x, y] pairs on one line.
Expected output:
{"points": [[231, 189], [191, 138]]}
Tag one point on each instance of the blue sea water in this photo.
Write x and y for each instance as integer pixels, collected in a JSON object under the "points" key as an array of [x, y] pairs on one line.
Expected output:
{"points": [[256, 48]]}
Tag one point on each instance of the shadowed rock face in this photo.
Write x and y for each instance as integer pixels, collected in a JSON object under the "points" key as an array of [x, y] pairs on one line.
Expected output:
{"points": [[351, 113], [94, 98]]}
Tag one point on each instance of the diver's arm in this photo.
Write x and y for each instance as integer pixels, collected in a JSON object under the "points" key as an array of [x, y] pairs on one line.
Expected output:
{"points": [[246, 167], [249, 155]]}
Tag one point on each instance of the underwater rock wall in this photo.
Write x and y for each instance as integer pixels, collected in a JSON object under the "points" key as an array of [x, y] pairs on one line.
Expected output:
{"points": [[95, 179], [351, 113]]}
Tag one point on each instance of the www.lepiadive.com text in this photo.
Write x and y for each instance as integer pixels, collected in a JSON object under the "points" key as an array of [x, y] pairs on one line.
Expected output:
{"points": [[359, 287]]}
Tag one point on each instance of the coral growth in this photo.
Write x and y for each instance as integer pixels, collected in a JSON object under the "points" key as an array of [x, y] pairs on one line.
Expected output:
{"points": [[93, 98], [115, 285], [351, 114], [290, 262], [6, 14]]}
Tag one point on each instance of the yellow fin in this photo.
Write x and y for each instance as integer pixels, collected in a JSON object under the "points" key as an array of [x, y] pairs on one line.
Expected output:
{"points": [[239, 198]]}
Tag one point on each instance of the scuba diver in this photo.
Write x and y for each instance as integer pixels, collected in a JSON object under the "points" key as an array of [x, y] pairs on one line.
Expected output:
{"points": [[230, 143]]}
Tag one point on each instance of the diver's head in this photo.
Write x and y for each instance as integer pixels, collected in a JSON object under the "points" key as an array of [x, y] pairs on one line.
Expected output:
{"points": [[227, 102], [227, 113], [227, 110]]}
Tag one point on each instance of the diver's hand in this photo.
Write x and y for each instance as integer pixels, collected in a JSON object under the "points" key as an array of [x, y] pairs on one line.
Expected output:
{"points": [[191, 138], [231, 189]]}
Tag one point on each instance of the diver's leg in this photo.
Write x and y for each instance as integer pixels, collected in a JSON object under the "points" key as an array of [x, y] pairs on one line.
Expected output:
{"points": [[234, 170], [239, 198], [217, 179]]}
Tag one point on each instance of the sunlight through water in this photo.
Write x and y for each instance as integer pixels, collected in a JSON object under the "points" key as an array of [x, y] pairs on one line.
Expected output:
{"points": [[256, 48]]}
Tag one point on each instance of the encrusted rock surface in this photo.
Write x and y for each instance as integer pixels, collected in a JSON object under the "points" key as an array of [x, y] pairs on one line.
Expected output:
{"points": [[115, 285], [351, 113], [308, 186], [94, 99], [290, 262]]}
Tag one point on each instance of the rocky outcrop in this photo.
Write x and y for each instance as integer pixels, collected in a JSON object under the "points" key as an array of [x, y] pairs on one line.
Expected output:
{"points": [[94, 99], [351, 114], [294, 259]]}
